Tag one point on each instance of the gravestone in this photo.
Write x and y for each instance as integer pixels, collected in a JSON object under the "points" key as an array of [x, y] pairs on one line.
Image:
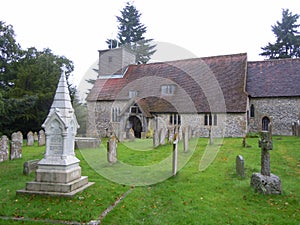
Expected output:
{"points": [[185, 133], [239, 163], [16, 145], [131, 135], [170, 134], [155, 139], [175, 155], [210, 135], [266, 182], [30, 166], [112, 150], [59, 173], [41, 138], [30, 139], [35, 136], [4, 142], [162, 136]]}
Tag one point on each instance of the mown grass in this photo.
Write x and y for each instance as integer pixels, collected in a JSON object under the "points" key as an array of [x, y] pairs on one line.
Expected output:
{"points": [[214, 196]]}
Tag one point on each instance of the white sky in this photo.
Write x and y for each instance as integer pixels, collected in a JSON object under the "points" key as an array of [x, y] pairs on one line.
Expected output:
{"points": [[77, 29]]}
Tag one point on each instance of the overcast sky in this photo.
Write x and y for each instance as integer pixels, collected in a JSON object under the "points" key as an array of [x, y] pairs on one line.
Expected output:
{"points": [[77, 29]]}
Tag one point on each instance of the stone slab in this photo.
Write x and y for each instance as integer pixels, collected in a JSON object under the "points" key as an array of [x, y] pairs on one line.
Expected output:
{"points": [[69, 194]]}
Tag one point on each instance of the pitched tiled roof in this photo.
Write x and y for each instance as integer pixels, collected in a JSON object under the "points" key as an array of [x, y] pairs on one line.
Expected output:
{"points": [[210, 84], [274, 78]]}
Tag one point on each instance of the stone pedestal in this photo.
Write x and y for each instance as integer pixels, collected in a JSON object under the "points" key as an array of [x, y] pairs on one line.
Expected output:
{"points": [[266, 184]]}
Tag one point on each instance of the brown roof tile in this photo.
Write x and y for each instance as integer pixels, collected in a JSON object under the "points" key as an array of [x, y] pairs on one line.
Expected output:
{"points": [[274, 78], [210, 84]]}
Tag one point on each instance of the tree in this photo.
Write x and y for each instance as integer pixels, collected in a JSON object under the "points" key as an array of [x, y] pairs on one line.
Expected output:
{"points": [[131, 34], [287, 43], [28, 80]]}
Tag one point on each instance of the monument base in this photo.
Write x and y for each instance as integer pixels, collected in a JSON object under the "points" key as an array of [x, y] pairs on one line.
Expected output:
{"points": [[57, 180], [266, 184], [66, 190]]}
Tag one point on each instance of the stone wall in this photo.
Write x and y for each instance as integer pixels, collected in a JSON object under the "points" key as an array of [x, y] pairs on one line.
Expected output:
{"points": [[99, 116], [281, 111]]}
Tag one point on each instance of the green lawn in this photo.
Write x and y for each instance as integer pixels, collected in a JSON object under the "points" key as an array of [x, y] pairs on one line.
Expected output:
{"points": [[215, 195]]}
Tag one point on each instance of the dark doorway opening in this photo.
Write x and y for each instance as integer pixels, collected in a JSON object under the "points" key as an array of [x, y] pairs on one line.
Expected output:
{"points": [[136, 125]]}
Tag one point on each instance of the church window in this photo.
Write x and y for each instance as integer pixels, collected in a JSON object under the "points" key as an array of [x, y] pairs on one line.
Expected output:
{"points": [[132, 93], [115, 112], [252, 110], [210, 119], [175, 119], [168, 89]]}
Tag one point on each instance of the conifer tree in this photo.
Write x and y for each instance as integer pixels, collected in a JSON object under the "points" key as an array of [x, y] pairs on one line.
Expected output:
{"points": [[131, 34], [287, 43]]}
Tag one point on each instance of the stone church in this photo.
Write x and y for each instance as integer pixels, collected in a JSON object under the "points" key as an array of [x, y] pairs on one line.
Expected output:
{"points": [[225, 94]]}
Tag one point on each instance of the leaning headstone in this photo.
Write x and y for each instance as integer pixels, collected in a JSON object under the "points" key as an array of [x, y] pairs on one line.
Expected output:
{"points": [[35, 136], [162, 136], [4, 142], [185, 133], [239, 163], [16, 145], [112, 150], [175, 155], [266, 182], [30, 166], [42, 138], [30, 139]]}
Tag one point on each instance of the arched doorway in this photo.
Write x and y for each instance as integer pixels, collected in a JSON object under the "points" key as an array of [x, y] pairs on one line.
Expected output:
{"points": [[136, 125], [265, 123]]}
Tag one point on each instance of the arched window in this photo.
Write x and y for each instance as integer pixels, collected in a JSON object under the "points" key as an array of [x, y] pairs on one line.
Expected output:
{"points": [[265, 123], [252, 111]]}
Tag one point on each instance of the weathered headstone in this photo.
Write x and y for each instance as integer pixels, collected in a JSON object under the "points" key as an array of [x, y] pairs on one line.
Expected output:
{"points": [[30, 166], [4, 142], [16, 145], [170, 134], [42, 138], [175, 155], [131, 135], [30, 139], [185, 133], [210, 135], [240, 168], [59, 173], [155, 139], [266, 182], [35, 136], [162, 136], [112, 150]]}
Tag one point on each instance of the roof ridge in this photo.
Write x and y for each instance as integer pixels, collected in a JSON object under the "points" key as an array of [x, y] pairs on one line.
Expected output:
{"points": [[274, 60]]}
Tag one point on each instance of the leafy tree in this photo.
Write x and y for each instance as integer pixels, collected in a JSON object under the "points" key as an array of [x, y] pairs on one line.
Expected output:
{"points": [[28, 80], [131, 34], [10, 52], [287, 43]]}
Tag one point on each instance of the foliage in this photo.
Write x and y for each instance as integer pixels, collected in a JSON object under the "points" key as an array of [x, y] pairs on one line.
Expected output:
{"points": [[214, 196], [287, 43], [28, 80], [131, 34]]}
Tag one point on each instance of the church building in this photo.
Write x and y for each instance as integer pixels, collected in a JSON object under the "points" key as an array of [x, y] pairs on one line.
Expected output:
{"points": [[225, 94]]}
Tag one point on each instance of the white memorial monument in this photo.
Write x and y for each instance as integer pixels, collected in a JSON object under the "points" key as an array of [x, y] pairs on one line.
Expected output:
{"points": [[59, 173]]}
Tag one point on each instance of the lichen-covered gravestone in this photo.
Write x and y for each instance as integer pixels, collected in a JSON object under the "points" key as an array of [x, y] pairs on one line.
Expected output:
{"points": [[112, 150], [41, 138], [30, 139], [185, 134], [175, 155], [4, 148], [162, 136], [266, 182], [16, 145]]}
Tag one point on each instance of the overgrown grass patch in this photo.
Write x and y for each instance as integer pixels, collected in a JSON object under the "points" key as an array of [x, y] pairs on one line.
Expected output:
{"points": [[213, 196]]}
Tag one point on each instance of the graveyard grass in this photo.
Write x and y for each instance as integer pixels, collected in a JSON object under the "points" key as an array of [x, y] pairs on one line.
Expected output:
{"points": [[214, 196]]}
